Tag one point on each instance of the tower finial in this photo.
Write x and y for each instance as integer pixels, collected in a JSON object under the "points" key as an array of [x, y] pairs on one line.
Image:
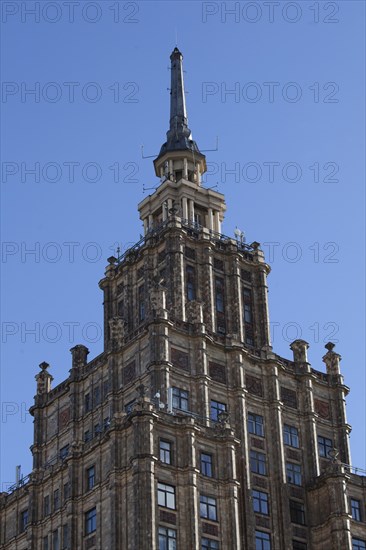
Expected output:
{"points": [[179, 135]]}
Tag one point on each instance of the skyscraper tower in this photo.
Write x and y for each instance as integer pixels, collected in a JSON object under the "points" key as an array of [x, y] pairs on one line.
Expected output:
{"points": [[188, 431]]}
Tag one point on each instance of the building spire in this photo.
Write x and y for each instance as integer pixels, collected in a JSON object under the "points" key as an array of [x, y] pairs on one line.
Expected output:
{"points": [[179, 135]]}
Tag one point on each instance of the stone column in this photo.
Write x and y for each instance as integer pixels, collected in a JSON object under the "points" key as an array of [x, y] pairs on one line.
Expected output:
{"points": [[185, 208], [209, 219]]}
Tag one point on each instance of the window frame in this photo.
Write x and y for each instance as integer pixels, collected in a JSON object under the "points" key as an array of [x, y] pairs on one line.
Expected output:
{"points": [[90, 519], [325, 445], [297, 512], [355, 541], [296, 473], [56, 500], [55, 540], [90, 477], [165, 453], [206, 465], [141, 303], [257, 463], [179, 397], [165, 495], [191, 287], [46, 505], [355, 509], [209, 544], [255, 424], [168, 537], [214, 416], [262, 498], [291, 436], [266, 538], [208, 507], [24, 520]]}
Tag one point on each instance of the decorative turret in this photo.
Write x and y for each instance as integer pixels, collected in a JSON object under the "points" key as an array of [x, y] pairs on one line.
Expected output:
{"points": [[44, 379], [332, 359], [179, 166]]}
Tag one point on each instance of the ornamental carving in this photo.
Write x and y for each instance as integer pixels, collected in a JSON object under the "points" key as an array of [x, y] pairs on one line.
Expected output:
{"points": [[180, 359], [168, 517], [217, 372], [289, 397], [322, 408], [63, 418], [254, 385], [210, 529], [129, 373]]}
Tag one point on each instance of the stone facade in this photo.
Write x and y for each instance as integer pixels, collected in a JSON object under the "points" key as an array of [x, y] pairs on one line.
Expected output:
{"points": [[188, 431]]}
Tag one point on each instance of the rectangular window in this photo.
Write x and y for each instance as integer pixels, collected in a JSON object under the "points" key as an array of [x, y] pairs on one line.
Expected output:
{"points": [[90, 478], [190, 282], [64, 451], [209, 544], [215, 409], [255, 424], [129, 406], [358, 544], [87, 402], [248, 315], [105, 388], [293, 473], [56, 499], [206, 464], [66, 490], [88, 436], [46, 505], [141, 299], [356, 509], [247, 295], [297, 512], [45, 543], [96, 396], [180, 399], [90, 521], [325, 445], [219, 294], [258, 463], [220, 305], [24, 518], [65, 536], [165, 451], [260, 502], [297, 545], [291, 436], [262, 541], [208, 508], [166, 496], [97, 429], [167, 538], [55, 540], [120, 308]]}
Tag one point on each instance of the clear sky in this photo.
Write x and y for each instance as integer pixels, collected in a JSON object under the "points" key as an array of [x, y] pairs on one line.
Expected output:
{"points": [[282, 86]]}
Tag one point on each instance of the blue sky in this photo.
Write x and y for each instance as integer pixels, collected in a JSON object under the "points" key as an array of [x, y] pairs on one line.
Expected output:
{"points": [[281, 86]]}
